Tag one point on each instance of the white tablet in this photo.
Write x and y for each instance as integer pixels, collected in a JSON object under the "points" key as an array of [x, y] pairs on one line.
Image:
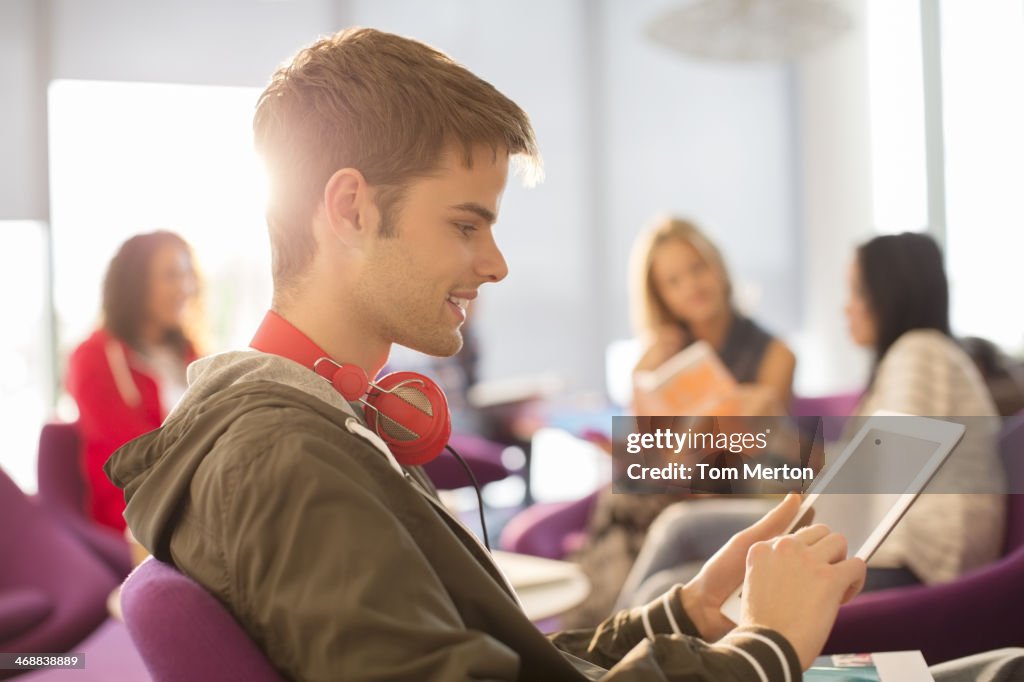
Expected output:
{"points": [[873, 482]]}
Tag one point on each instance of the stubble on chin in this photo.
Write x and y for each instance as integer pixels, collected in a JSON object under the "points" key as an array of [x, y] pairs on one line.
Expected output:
{"points": [[439, 343], [422, 336]]}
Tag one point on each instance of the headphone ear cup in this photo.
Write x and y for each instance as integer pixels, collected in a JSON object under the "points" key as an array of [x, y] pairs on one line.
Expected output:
{"points": [[350, 381], [410, 413]]}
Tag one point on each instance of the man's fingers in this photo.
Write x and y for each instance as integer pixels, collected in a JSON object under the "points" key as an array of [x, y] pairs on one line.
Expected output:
{"points": [[774, 522], [830, 547], [812, 534], [851, 573]]}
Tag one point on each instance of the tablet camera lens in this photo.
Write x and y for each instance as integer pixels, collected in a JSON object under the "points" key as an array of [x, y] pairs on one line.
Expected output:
{"points": [[878, 441]]}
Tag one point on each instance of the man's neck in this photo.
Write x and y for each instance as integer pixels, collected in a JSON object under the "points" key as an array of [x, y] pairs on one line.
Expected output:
{"points": [[343, 341]]}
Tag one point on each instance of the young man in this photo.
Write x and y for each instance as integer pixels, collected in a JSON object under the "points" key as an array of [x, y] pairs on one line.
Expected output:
{"points": [[387, 166]]}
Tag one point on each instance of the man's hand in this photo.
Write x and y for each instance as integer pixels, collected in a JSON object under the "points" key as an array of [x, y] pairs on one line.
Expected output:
{"points": [[723, 573], [795, 585]]}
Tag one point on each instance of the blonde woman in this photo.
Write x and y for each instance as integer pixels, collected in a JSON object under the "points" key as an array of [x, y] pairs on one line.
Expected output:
{"points": [[681, 293]]}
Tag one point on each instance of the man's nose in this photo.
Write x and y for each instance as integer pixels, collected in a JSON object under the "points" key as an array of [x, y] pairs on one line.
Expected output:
{"points": [[490, 263]]}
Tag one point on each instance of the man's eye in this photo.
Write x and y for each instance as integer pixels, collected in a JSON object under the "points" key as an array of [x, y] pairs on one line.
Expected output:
{"points": [[465, 228]]}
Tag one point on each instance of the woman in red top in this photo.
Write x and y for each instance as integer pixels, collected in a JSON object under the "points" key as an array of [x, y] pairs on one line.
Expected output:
{"points": [[128, 375]]}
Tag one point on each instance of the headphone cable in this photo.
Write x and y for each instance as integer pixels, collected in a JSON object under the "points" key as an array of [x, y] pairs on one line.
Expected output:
{"points": [[479, 497]]}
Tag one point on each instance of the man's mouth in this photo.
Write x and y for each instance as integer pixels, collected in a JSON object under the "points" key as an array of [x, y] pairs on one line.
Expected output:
{"points": [[462, 303]]}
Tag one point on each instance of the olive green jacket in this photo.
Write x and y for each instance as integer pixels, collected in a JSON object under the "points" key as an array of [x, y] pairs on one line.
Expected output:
{"points": [[265, 488]]}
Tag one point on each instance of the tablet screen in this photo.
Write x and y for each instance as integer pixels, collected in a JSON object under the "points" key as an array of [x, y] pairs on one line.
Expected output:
{"points": [[876, 477], [884, 464], [857, 515]]}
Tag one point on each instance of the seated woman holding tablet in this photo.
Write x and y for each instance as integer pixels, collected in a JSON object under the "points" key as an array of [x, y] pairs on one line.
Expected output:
{"points": [[899, 308]]}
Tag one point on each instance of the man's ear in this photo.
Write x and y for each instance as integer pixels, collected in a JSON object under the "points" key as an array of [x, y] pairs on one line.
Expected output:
{"points": [[347, 200]]}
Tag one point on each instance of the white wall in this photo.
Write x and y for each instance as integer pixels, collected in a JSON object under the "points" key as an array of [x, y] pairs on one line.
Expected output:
{"points": [[22, 113], [225, 42], [835, 204], [709, 141]]}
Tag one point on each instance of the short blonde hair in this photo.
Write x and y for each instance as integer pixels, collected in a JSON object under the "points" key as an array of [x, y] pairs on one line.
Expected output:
{"points": [[387, 106], [648, 310]]}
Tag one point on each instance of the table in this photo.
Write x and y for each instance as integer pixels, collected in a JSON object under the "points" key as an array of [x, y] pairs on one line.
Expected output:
{"points": [[545, 587]]}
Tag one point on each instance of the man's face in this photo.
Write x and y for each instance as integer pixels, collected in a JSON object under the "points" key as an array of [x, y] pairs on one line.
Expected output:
{"points": [[415, 286]]}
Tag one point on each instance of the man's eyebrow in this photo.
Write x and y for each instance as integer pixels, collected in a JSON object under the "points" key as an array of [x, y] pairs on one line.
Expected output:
{"points": [[476, 208]]}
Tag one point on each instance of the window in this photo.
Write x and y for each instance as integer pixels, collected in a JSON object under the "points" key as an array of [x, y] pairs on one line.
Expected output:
{"points": [[982, 142], [898, 163], [983, 107], [137, 157], [26, 378]]}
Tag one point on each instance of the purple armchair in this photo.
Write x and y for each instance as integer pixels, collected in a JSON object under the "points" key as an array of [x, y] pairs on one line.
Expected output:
{"points": [[836, 407], [184, 633], [53, 592], [482, 456], [552, 530], [981, 610], [62, 493]]}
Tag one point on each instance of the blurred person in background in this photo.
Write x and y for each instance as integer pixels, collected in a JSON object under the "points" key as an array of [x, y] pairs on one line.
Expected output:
{"points": [[681, 293], [130, 372], [1003, 375], [898, 307]]}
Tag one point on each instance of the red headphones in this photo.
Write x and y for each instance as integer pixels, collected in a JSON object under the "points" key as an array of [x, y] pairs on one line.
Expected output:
{"points": [[407, 410]]}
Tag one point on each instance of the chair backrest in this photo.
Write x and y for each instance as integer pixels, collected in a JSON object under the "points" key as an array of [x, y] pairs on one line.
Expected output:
{"points": [[38, 556], [1011, 446], [184, 633], [63, 492], [61, 479], [482, 456], [834, 408]]}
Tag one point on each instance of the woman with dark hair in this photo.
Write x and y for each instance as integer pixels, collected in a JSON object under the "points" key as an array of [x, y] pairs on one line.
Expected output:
{"points": [[897, 285], [899, 308], [130, 372]]}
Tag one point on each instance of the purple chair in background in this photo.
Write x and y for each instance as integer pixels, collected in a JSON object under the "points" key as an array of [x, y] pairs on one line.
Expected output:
{"points": [[834, 407], [550, 530], [482, 456], [62, 493], [979, 611], [53, 591], [184, 633]]}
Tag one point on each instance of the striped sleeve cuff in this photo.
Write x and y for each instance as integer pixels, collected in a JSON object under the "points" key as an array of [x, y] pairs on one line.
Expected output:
{"points": [[758, 653], [664, 616]]}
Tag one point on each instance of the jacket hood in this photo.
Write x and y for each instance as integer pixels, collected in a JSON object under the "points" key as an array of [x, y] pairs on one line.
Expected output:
{"points": [[156, 469]]}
